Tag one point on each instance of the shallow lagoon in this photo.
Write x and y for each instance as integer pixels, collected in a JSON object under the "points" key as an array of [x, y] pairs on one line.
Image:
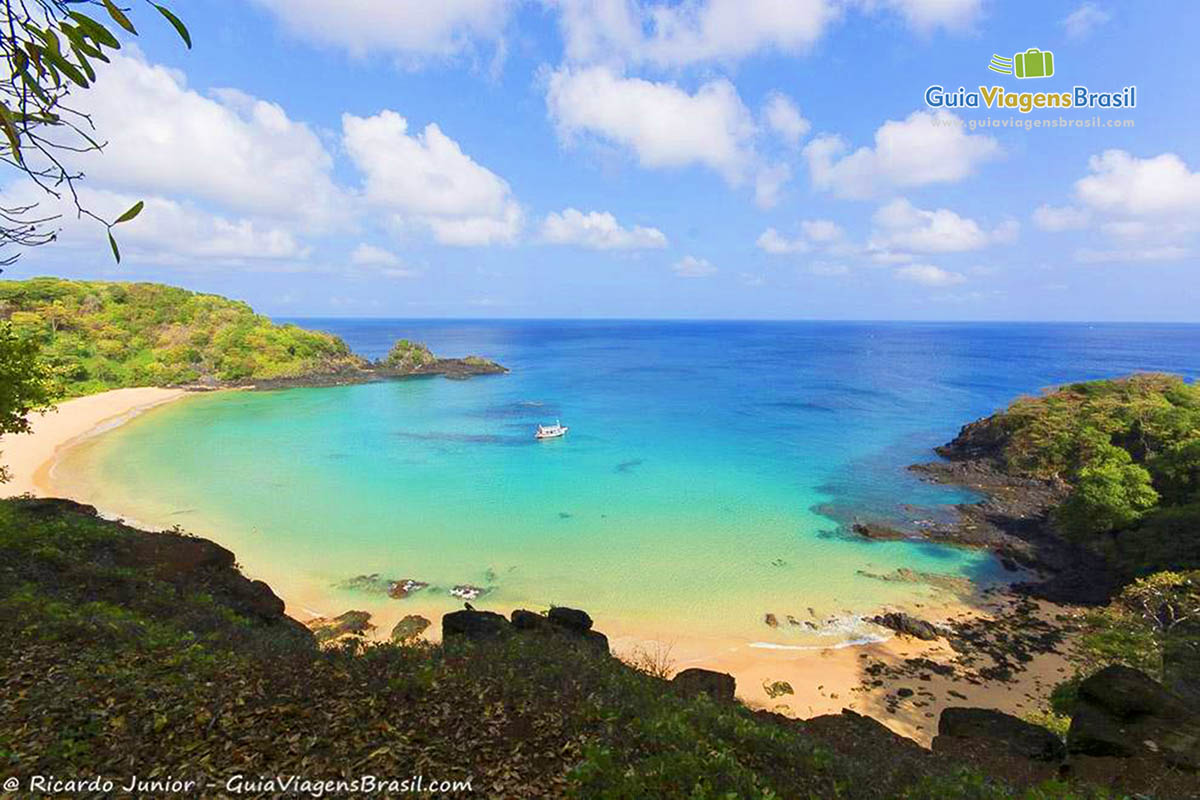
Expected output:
{"points": [[691, 495]]}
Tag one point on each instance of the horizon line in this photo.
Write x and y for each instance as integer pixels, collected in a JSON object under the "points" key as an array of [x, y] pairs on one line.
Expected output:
{"points": [[854, 320]]}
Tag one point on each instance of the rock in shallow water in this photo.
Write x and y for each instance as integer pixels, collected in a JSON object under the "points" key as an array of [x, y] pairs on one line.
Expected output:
{"points": [[907, 625]]}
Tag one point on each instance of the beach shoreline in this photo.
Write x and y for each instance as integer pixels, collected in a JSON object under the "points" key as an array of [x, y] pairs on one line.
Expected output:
{"points": [[823, 680], [30, 457]]}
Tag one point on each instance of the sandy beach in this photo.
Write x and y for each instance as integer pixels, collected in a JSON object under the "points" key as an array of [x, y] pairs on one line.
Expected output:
{"points": [[821, 681], [29, 456]]}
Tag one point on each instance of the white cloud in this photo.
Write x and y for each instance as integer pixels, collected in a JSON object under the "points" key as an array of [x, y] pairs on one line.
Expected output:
{"points": [[769, 182], [368, 255], [814, 232], [773, 242], [623, 31], [426, 178], [1082, 21], [901, 226], [692, 267], [664, 125], [403, 27], [379, 261], [784, 118], [925, 148], [926, 16], [170, 232], [929, 275], [1060, 218], [1120, 183], [821, 230], [599, 231], [1148, 207], [231, 149]]}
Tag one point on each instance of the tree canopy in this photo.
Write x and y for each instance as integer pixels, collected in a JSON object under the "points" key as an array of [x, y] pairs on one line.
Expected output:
{"points": [[25, 383]]}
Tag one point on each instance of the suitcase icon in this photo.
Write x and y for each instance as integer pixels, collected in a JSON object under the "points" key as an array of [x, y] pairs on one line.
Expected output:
{"points": [[1034, 63]]}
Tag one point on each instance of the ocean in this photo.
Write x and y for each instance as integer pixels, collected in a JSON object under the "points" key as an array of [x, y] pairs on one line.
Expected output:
{"points": [[706, 480]]}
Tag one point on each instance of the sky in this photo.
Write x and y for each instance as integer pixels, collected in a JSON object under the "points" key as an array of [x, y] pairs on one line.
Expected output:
{"points": [[613, 158]]}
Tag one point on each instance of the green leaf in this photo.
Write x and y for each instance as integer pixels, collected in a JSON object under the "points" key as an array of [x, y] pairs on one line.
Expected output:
{"points": [[95, 30], [179, 26], [113, 243], [119, 17], [10, 130], [83, 62], [66, 67], [133, 211]]}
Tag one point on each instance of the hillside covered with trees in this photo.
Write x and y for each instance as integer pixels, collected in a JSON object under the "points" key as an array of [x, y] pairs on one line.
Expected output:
{"points": [[1128, 451], [99, 335]]}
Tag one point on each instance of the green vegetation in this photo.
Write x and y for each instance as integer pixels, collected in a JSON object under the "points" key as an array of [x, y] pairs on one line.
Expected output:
{"points": [[408, 356], [97, 335], [118, 655], [25, 383], [1130, 451]]}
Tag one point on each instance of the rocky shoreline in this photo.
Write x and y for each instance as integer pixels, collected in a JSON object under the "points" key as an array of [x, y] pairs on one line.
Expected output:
{"points": [[451, 368], [1013, 520]]}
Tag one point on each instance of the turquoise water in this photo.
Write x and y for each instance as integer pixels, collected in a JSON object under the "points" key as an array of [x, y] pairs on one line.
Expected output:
{"points": [[701, 485]]}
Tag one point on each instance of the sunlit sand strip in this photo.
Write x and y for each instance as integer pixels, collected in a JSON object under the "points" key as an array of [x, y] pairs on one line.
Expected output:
{"points": [[31, 456]]}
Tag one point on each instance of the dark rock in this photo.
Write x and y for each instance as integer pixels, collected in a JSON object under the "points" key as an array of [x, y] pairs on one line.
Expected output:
{"points": [[1123, 712], [694, 681], [597, 640], [771, 621], [965, 728], [907, 625], [258, 599], [398, 590], [409, 628], [877, 532], [570, 618], [528, 620], [904, 691], [349, 624], [474, 625]]}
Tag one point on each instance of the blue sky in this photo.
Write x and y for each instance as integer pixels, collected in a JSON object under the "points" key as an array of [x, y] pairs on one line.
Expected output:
{"points": [[714, 158]]}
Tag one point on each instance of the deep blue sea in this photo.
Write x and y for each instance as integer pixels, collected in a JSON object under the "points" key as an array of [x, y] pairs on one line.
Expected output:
{"points": [[701, 486]]}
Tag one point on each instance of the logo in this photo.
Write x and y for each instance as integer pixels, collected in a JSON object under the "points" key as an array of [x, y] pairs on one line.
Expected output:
{"points": [[1033, 63]]}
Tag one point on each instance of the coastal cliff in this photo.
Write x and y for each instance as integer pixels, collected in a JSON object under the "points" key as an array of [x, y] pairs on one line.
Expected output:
{"points": [[99, 335], [1094, 484], [123, 651]]}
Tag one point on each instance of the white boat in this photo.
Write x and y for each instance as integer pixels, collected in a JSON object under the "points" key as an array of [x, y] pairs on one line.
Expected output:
{"points": [[550, 431]]}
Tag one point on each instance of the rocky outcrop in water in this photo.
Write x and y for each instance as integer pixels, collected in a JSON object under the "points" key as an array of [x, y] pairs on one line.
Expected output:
{"points": [[907, 625], [1013, 520]]}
